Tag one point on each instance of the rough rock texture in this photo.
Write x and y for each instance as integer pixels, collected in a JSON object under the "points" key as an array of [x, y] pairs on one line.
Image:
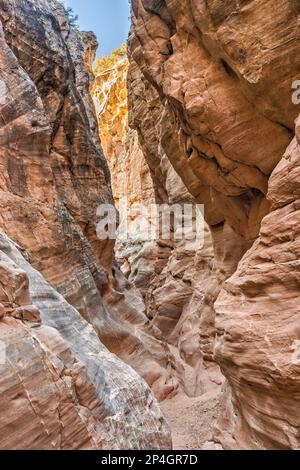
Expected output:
{"points": [[60, 387], [259, 325], [53, 177], [187, 278], [222, 73], [110, 96], [220, 96], [173, 276], [135, 254], [131, 181], [132, 187]]}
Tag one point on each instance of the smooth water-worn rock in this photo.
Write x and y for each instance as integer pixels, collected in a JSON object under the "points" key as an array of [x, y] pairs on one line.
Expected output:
{"points": [[258, 324], [227, 110], [173, 276], [60, 387], [53, 178], [222, 73]]}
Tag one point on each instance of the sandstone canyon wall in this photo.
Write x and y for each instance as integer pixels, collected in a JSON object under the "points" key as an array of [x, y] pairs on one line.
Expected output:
{"points": [[174, 277], [130, 176], [210, 93], [201, 112], [60, 289]]}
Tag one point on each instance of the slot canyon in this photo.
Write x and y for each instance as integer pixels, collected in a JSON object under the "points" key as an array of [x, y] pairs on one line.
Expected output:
{"points": [[136, 343]]}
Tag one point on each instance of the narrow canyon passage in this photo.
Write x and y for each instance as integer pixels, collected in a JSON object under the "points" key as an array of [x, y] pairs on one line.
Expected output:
{"points": [[170, 276], [208, 124], [185, 339]]}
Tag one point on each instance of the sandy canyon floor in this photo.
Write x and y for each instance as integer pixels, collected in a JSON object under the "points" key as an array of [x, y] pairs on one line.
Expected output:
{"points": [[191, 419]]}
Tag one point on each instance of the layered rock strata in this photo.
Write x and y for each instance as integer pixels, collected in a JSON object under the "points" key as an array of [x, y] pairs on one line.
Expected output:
{"points": [[131, 181], [58, 376], [173, 276], [222, 73], [60, 387], [258, 324]]}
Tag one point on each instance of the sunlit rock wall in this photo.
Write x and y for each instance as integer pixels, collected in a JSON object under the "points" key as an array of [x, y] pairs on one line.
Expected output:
{"points": [[172, 276]]}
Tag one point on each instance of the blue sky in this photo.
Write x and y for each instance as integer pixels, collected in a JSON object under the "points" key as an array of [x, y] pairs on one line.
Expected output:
{"points": [[109, 19]]}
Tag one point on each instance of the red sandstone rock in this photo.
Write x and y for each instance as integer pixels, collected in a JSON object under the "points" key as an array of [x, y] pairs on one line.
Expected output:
{"points": [[172, 276], [53, 177], [222, 73], [60, 387], [258, 324]]}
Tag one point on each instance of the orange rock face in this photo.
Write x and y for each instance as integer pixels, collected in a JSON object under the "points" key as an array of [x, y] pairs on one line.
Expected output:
{"points": [[211, 121], [131, 183], [110, 96], [258, 323], [221, 97], [130, 175], [222, 73], [58, 378], [60, 387], [172, 276]]}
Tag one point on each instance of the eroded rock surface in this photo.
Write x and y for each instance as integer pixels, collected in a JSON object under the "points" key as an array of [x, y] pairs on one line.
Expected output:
{"points": [[60, 387], [258, 323], [53, 177], [173, 276], [130, 176], [221, 73], [221, 96]]}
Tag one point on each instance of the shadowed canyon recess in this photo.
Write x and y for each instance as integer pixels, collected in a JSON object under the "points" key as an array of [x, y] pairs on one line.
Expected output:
{"points": [[138, 343]]}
